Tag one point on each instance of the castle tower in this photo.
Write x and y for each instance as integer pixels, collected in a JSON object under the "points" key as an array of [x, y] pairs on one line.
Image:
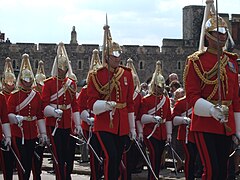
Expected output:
{"points": [[73, 36], [192, 22]]}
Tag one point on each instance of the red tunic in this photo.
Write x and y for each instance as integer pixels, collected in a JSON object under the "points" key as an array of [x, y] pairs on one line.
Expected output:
{"points": [[180, 109], [148, 103], [34, 108], [137, 102], [68, 98], [82, 102], [196, 89], [3, 113], [122, 93]]}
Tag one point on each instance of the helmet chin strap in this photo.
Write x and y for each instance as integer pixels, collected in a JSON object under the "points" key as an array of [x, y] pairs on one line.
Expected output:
{"points": [[215, 39]]}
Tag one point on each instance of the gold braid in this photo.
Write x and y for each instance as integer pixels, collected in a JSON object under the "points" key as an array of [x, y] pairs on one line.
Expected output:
{"points": [[205, 76]]}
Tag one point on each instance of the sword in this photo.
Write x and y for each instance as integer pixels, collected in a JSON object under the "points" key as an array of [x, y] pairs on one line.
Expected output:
{"points": [[173, 157], [19, 162], [90, 146], [145, 158]]}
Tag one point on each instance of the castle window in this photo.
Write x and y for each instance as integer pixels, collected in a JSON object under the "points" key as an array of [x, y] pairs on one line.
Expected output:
{"points": [[80, 65], [14, 64], [141, 65], [179, 65], [36, 64]]}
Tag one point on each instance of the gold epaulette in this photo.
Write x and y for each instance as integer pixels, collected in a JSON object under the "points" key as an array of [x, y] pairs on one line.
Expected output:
{"points": [[233, 56], [15, 91], [195, 56], [125, 68]]}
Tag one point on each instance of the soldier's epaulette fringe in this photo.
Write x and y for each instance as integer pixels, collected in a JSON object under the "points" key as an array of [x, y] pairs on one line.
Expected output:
{"points": [[233, 56], [195, 56]]}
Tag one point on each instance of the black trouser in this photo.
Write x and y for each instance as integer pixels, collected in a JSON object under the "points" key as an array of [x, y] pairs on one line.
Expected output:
{"points": [[26, 152], [8, 164], [214, 150], [37, 162], [113, 146], [155, 148], [190, 154], [71, 155], [60, 146]]}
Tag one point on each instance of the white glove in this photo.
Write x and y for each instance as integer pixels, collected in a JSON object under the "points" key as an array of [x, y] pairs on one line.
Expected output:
{"points": [[78, 130], [84, 115], [7, 133], [237, 124], [178, 120], [140, 137], [131, 121], [90, 121], [205, 108], [169, 130], [15, 119], [101, 106], [157, 119], [186, 120], [58, 113], [147, 118]]}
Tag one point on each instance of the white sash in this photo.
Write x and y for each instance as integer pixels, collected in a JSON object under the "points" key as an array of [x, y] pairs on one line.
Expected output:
{"points": [[60, 91], [26, 101], [161, 103], [189, 113]]}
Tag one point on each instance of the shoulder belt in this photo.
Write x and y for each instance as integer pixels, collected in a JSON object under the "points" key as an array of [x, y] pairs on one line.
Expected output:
{"points": [[160, 104], [61, 91], [26, 101]]}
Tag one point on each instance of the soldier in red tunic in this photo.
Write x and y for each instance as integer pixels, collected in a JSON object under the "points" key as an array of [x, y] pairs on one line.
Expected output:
{"points": [[212, 88], [110, 97], [25, 113], [133, 156], [155, 114], [88, 121], [8, 85], [181, 115], [60, 107], [38, 154]]}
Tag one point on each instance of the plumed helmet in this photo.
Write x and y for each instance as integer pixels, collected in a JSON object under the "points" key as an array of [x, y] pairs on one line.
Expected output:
{"points": [[40, 75], [95, 61], [109, 46], [211, 25], [8, 74], [157, 78], [25, 72], [61, 61], [134, 73]]}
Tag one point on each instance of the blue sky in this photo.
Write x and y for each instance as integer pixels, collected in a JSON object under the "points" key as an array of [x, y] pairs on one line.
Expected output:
{"points": [[133, 22]]}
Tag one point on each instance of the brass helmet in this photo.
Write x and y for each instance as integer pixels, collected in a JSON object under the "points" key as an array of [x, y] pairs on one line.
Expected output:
{"points": [[8, 76], [157, 78], [61, 61], [109, 47], [134, 73], [25, 72], [211, 25], [40, 75], [95, 63]]}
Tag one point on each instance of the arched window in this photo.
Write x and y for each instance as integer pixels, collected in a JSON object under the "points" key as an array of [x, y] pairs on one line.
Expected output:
{"points": [[14, 64], [35, 64], [80, 65], [179, 65], [141, 65]]}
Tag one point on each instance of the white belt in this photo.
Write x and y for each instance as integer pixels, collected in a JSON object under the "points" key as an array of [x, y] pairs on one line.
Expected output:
{"points": [[61, 106], [29, 118]]}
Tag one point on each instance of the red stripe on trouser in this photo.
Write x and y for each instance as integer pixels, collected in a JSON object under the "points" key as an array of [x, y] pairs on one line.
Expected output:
{"points": [[56, 167], [2, 164], [19, 169], [106, 157], [123, 169], [203, 151], [187, 159], [152, 156]]}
